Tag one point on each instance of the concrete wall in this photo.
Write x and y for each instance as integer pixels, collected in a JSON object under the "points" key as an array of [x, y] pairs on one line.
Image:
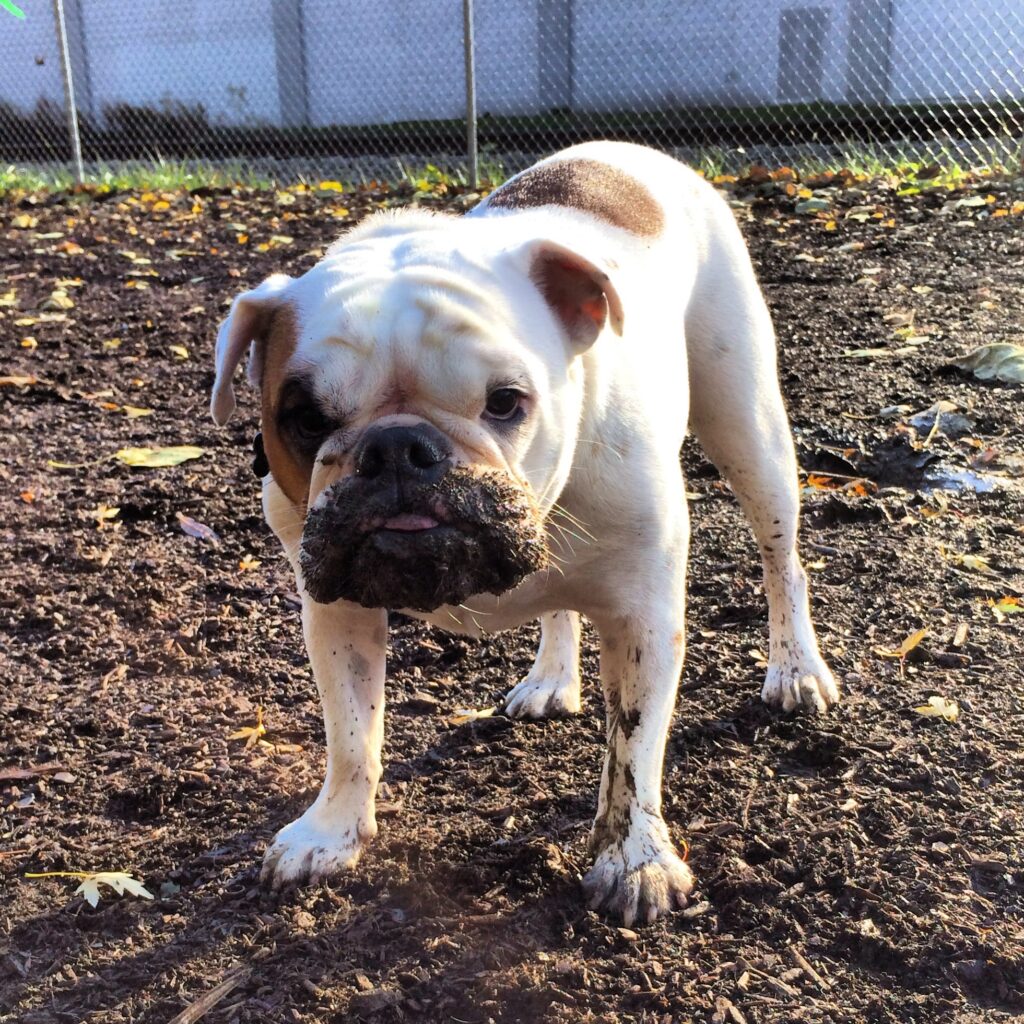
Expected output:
{"points": [[951, 50], [29, 60], [191, 51], [354, 62]]}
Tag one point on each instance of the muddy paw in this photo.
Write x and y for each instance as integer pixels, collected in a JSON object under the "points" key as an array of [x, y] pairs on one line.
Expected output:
{"points": [[811, 686], [543, 698], [304, 852], [640, 893]]}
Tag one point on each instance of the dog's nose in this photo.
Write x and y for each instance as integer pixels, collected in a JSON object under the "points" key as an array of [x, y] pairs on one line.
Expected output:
{"points": [[419, 451]]}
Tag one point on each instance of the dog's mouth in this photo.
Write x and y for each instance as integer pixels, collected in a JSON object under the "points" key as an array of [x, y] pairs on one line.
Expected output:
{"points": [[409, 522], [421, 546]]}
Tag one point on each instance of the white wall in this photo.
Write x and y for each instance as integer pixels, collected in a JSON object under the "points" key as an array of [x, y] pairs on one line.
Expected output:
{"points": [[951, 49], [386, 60], [23, 44], [193, 51]]}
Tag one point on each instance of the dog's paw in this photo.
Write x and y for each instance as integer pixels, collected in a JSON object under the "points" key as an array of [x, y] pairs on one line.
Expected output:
{"points": [[809, 684], [305, 852], [543, 698], [637, 892]]}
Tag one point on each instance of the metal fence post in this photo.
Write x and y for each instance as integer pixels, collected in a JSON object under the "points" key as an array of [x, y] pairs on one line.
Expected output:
{"points": [[467, 43], [69, 90]]}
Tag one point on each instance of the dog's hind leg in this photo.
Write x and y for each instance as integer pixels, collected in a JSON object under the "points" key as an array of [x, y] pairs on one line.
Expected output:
{"points": [[551, 689], [738, 416]]}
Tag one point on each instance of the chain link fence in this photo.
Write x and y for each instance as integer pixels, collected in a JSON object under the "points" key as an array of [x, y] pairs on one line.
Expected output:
{"points": [[350, 89]]}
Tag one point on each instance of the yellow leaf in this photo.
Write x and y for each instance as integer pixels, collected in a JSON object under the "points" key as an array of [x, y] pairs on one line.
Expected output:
{"points": [[17, 382], [120, 881], [134, 412], [24, 221], [251, 733], [1005, 606], [248, 562], [463, 715], [179, 350], [29, 343], [940, 707], [905, 648], [58, 300], [112, 343], [102, 513], [161, 204], [331, 186], [25, 321], [138, 285], [241, 239], [8, 299], [155, 458], [979, 563]]}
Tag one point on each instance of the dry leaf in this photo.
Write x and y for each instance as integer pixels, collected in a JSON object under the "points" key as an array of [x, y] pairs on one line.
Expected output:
{"points": [[1000, 361], [463, 715], [58, 300], [103, 513], [905, 648], [978, 563], [179, 350], [940, 707], [252, 734], [155, 458], [196, 529], [248, 562], [1005, 606], [120, 881]]}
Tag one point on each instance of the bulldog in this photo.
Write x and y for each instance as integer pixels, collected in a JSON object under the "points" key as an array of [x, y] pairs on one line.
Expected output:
{"points": [[477, 421]]}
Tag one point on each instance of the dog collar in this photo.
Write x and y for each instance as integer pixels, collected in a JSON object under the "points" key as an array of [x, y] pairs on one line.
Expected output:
{"points": [[260, 466]]}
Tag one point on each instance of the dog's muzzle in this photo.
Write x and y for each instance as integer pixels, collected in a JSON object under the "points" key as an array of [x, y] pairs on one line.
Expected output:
{"points": [[409, 529]]}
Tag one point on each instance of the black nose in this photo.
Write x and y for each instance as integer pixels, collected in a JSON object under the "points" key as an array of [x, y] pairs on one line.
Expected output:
{"points": [[420, 451]]}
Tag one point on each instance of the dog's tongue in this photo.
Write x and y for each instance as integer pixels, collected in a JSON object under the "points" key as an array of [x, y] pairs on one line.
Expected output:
{"points": [[409, 522]]}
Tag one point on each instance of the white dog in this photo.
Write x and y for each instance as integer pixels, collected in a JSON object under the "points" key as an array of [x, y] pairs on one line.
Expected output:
{"points": [[477, 420]]}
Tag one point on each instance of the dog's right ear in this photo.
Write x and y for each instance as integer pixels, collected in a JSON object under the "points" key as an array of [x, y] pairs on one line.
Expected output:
{"points": [[247, 323], [579, 292]]}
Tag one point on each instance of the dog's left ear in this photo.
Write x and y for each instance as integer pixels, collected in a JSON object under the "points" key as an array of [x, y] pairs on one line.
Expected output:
{"points": [[579, 292], [247, 323]]}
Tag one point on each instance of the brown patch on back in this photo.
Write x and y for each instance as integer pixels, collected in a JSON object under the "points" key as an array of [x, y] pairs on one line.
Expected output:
{"points": [[587, 185], [291, 469]]}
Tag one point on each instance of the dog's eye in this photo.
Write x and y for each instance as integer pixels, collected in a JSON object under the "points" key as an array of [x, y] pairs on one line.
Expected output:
{"points": [[308, 422], [503, 403]]}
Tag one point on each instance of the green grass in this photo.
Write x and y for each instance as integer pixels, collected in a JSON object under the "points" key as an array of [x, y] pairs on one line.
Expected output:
{"points": [[868, 160], [133, 176]]}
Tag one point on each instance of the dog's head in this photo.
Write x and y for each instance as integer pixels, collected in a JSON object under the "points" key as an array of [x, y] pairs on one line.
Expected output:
{"points": [[421, 397]]}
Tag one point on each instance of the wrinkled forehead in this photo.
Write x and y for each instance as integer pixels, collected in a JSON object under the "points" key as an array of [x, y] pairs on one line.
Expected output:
{"points": [[414, 313]]}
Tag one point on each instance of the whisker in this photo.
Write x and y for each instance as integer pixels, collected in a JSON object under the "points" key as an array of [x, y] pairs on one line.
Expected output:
{"points": [[557, 510], [602, 444]]}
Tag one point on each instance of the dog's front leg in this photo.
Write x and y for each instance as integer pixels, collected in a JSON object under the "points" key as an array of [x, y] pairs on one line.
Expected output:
{"points": [[347, 647], [637, 873]]}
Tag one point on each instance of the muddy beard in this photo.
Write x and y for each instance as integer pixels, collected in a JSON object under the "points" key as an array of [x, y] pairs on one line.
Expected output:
{"points": [[490, 537]]}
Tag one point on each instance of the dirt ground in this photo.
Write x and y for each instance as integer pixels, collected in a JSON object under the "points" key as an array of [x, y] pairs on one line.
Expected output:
{"points": [[864, 866]]}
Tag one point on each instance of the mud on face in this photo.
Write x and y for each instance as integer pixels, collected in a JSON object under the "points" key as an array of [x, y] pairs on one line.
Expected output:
{"points": [[489, 537]]}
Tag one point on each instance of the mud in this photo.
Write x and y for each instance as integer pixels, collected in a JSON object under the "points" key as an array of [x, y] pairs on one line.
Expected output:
{"points": [[490, 538]]}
